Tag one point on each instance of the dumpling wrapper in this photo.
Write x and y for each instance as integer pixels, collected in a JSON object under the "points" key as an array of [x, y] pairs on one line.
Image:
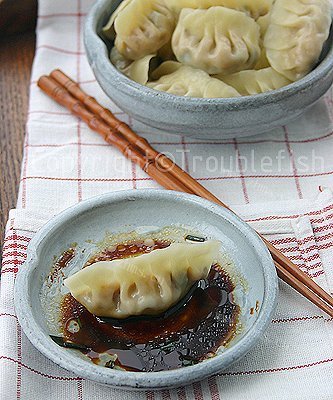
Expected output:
{"points": [[254, 82], [217, 40], [253, 8], [263, 23], [296, 34], [108, 29], [138, 70], [140, 27], [147, 284], [182, 80]]}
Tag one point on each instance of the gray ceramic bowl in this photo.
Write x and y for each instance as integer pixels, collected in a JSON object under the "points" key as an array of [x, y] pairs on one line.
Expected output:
{"points": [[202, 118], [123, 212]]}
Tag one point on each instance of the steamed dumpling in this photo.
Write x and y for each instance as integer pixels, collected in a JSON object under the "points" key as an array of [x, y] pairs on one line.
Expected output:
{"points": [[254, 8], [142, 27], [191, 82], [263, 23], [108, 29], [217, 40], [147, 284], [255, 82], [296, 34], [137, 70], [166, 68]]}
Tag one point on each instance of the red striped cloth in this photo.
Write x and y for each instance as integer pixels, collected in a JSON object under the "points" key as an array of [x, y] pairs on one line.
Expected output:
{"points": [[293, 360], [271, 180]]}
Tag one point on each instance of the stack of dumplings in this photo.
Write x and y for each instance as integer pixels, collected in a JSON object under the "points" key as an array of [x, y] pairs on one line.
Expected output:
{"points": [[217, 48]]}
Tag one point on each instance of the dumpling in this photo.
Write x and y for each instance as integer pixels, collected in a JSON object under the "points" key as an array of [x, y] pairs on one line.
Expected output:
{"points": [[137, 70], [254, 8], [263, 23], [191, 82], [296, 34], [147, 284], [166, 68], [217, 40], [255, 82], [108, 29], [142, 27]]}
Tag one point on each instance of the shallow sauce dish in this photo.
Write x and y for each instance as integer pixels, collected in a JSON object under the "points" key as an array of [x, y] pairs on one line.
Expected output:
{"points": [[208, 119], [126, 211]]}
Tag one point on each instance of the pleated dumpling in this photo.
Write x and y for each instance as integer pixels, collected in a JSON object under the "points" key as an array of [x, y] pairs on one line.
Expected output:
{"points": [[183, 80], [263, 23], [147, 284], [216, 40], [166, 68], [255, 82], [137, 70], [254, 8], [141, 27], [108, 29], [296, 34]]}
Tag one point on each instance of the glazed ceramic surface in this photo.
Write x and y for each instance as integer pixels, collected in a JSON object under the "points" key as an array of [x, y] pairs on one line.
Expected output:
{"points": [[201, 118], [126, 211]]}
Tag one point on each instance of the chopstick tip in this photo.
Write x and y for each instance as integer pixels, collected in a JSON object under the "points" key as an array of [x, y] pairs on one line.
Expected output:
{"points": [[42, 79]]}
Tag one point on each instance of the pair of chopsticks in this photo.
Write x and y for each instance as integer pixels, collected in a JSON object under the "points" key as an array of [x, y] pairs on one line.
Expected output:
{"points": [[164, 171]]}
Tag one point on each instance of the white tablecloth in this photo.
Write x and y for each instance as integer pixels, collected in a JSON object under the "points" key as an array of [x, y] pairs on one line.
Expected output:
{"points": [[279, 182]]}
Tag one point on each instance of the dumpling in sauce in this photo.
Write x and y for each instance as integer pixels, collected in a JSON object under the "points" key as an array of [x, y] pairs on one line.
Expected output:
{"points": [[296, 34], [147, 284], [142, 27], [183, 80], [255, 82], [217, 40]]}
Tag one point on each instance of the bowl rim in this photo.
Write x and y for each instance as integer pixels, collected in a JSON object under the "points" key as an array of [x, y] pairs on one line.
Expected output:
{"points": [[95, 45], [142, 380]]}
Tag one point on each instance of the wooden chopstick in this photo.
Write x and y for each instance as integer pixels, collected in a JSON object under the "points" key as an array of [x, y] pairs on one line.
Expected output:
{"points": [[106, 115], [60, 94], [304, 290], [67, 93], [193, 186]]}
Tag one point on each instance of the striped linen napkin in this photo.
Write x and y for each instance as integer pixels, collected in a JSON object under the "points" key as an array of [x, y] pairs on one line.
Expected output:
{"points": [[279, 182]]}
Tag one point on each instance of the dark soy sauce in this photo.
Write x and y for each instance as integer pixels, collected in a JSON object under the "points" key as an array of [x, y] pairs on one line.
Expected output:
{"points": [[193, 332]]}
